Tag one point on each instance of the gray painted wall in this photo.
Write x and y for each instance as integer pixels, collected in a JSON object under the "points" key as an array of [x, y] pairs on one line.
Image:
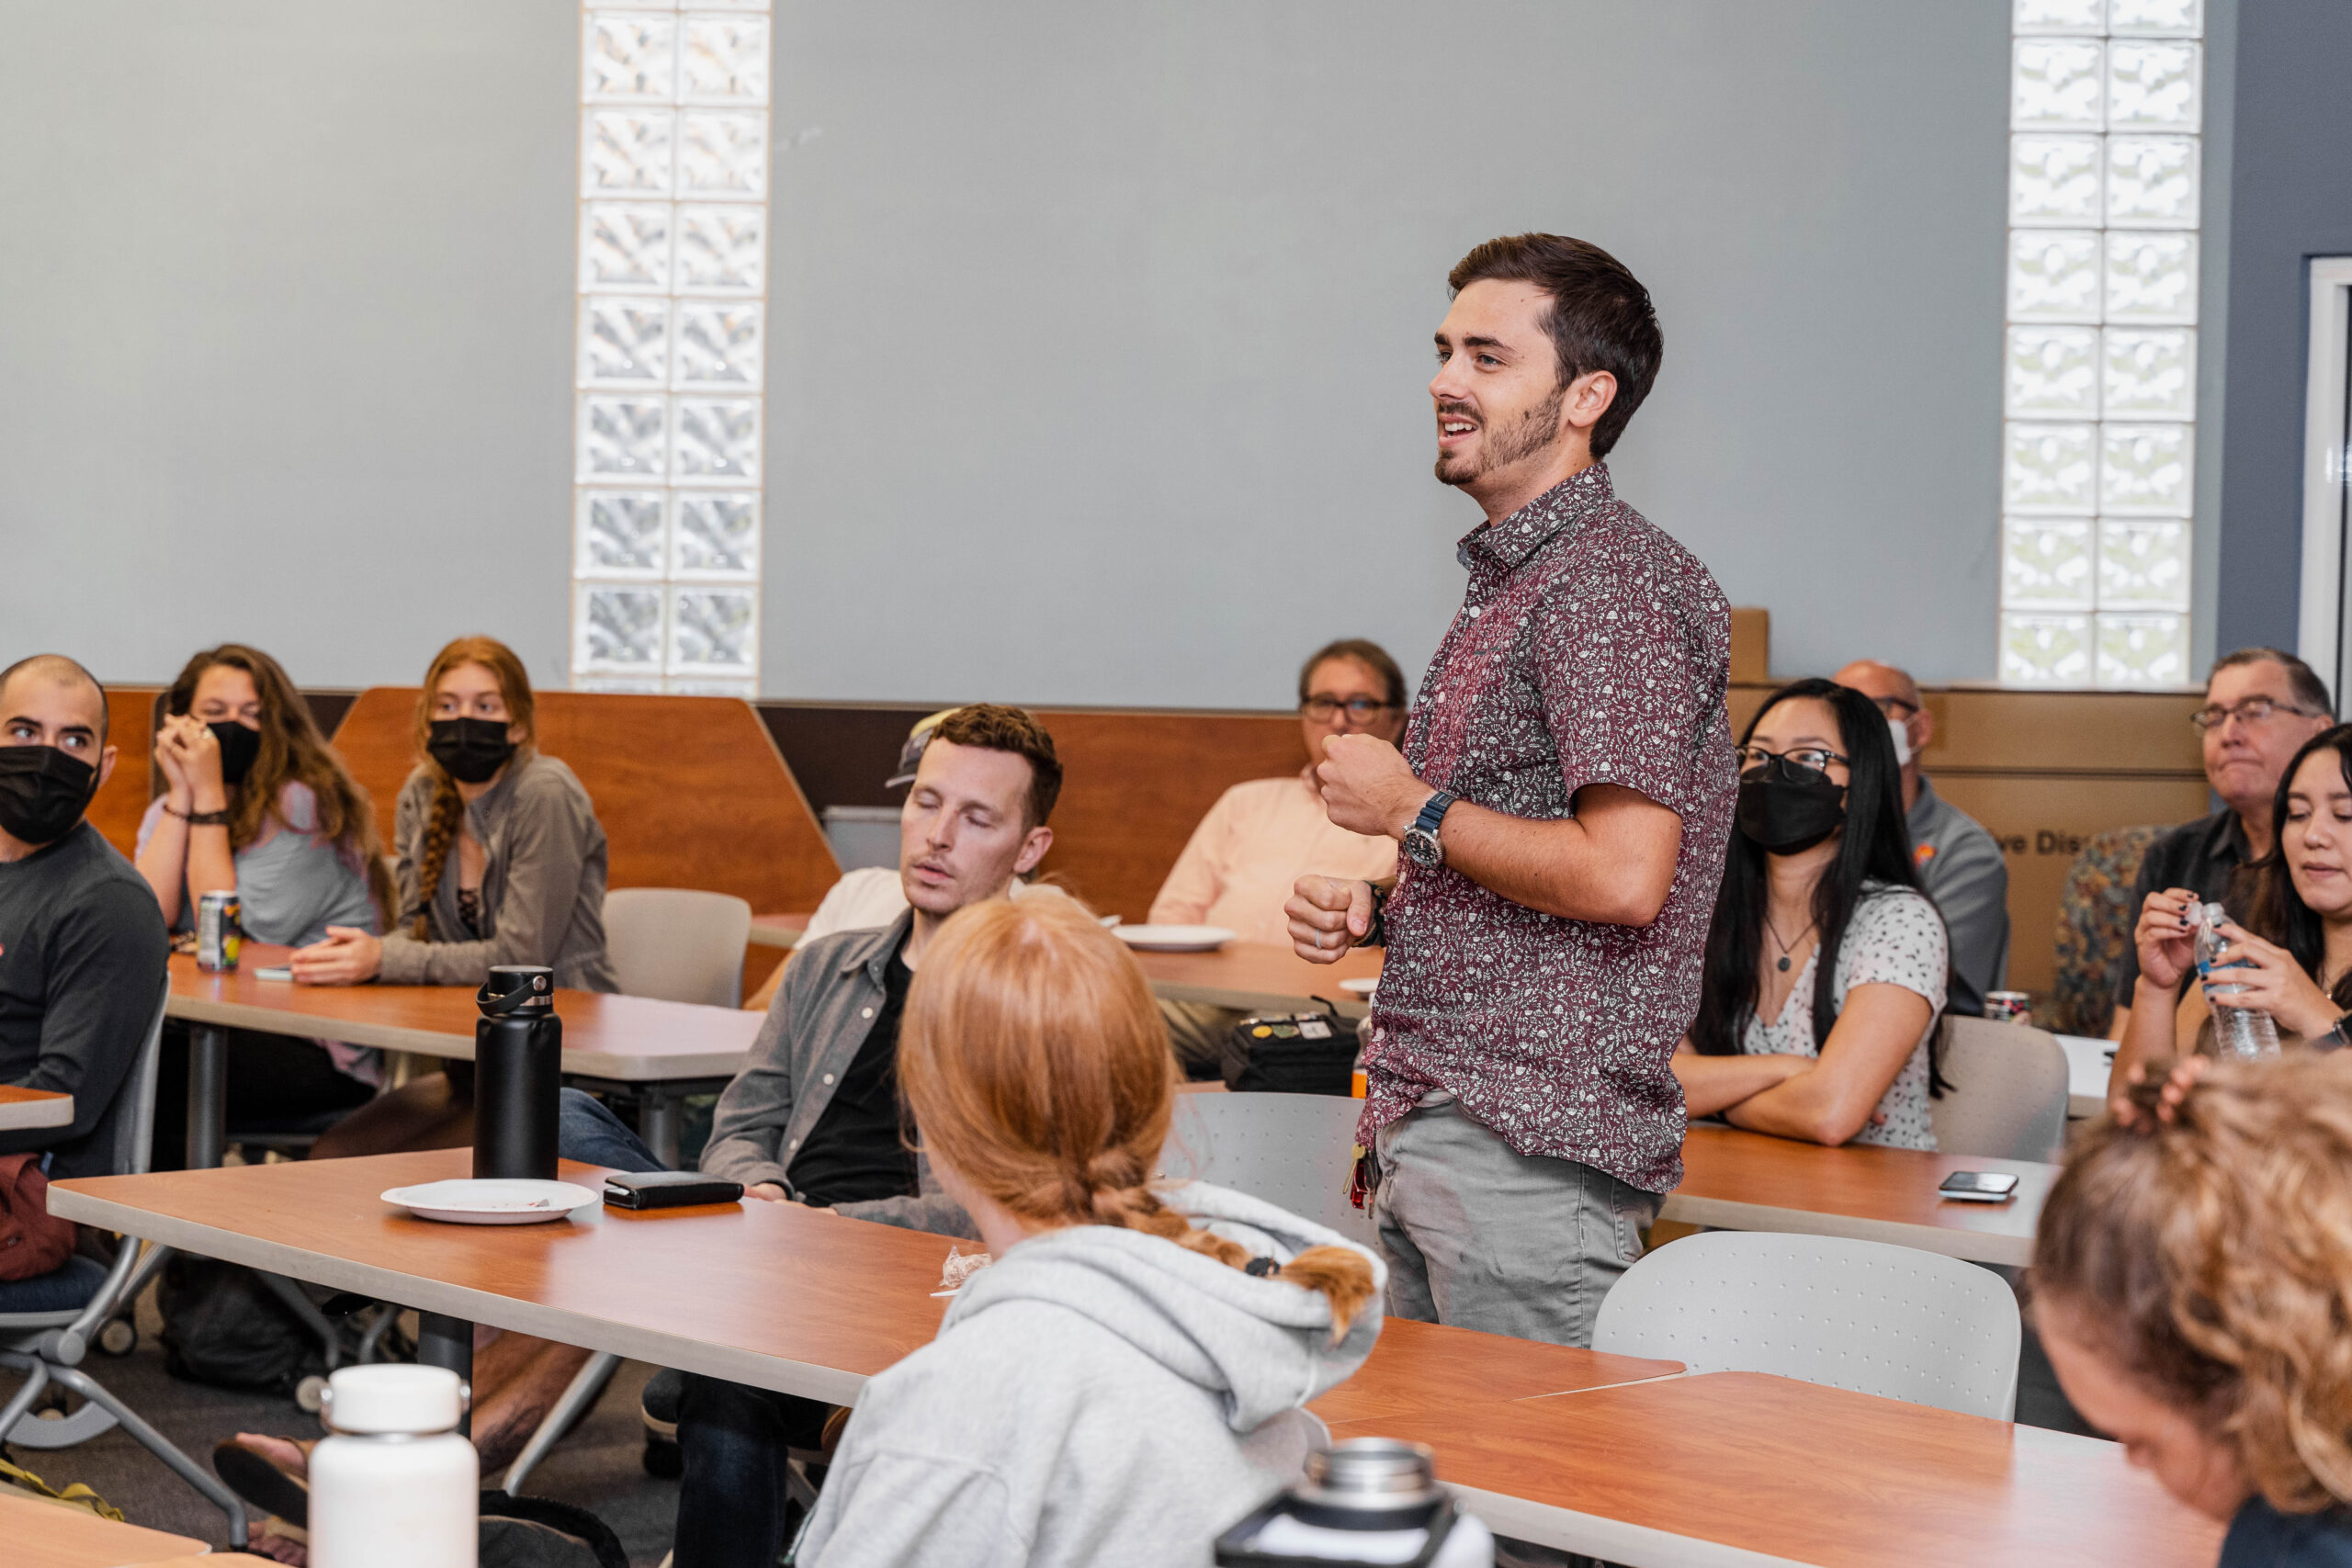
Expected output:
{"points": [[2291, 201], [1098, 340]]}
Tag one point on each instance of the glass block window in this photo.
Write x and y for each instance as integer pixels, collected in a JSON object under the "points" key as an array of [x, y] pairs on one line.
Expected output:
{"points": [[2099, 377], [673, 222]]}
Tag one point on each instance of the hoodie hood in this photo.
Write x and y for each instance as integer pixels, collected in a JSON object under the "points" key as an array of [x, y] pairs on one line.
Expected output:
{"points": [[1264, 1345]]}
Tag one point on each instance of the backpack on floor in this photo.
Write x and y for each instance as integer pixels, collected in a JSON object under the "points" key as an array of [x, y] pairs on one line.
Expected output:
{"points": [[223, 1326], [32, 1241], [537, 1532]]}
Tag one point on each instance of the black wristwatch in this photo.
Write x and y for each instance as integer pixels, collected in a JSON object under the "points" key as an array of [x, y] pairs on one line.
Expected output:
{"points": [[1420, 842], [1375, 933], [2333, 1038]]}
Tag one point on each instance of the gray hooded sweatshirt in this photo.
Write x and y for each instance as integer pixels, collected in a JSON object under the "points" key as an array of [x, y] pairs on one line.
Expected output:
{"points": [[1097, 1396]]}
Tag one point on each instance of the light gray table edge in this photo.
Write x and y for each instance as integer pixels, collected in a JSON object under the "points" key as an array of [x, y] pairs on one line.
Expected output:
{"points": [[1612, 1540], [456, 1047], [1730, 1213], [683, 1353], [24, 1115]]}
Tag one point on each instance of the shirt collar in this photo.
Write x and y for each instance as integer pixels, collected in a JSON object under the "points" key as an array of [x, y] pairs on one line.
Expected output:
{"points": [[874, 959], [1509, 543], [2227, 838]]}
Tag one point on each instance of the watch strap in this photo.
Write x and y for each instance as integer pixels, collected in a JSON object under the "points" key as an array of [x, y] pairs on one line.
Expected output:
{"points": [[1376, 933], [1434, 810], [2336, 1037]]}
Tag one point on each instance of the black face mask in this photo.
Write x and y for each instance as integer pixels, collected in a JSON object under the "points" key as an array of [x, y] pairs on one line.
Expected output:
{"points": [[239, 747], [1786, 810], [470, 751], [44, 792]]}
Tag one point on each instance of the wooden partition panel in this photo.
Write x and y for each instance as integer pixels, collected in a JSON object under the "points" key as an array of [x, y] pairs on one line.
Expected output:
{"points": [[122, 800], [2043, 770], [691, 791], [1134, 784]]}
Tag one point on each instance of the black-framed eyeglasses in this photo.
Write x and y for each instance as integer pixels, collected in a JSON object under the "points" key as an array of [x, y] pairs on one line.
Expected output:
{"points": [[2253, 710], [1803, 759], [1322, 710], [1895, 707]]}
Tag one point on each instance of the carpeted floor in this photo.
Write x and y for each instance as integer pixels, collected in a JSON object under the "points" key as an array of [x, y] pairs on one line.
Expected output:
{"points": [[597, 1467]]}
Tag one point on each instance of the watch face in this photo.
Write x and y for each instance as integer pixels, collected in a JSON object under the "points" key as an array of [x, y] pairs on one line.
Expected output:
{"points": [[1421, 846]]}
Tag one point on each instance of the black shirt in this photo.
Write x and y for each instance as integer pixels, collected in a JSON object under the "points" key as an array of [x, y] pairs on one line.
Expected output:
{"points": [[2203, 856], [2262, 1536], [82, 955], [856, 1151]]}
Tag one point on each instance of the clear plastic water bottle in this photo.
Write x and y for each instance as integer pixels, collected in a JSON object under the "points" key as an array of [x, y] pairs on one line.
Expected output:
{"points": [[2240, 1031]]}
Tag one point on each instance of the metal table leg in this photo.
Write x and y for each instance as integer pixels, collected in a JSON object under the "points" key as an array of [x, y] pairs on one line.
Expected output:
{"points": [[660, 1121], [208, 1095], [448, 1342]]}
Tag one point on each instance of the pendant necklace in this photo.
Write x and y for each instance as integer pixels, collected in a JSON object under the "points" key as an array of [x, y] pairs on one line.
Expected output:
{"points": [[1784, 946]]}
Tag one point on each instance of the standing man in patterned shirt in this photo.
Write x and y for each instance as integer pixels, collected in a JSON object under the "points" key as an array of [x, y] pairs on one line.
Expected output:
{"points": [[1562, 801]]}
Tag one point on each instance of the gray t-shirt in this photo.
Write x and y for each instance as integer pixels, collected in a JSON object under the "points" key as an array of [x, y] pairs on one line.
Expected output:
{"points": [[1961, 868]]}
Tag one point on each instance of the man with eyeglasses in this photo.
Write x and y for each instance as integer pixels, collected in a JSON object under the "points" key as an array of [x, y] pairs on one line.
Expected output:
{"points": [[1960, 864], [1261, 837], [2261, 705]]}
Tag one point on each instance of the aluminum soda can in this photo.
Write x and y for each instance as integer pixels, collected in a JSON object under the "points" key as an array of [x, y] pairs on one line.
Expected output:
{"points": [[2008, 1006], [218, 933]]}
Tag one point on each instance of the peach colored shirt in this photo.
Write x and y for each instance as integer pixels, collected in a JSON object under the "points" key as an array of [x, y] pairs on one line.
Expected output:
{"points": [[1252, 847]]}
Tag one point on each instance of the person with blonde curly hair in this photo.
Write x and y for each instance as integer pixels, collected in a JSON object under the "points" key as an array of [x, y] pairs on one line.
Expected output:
{"points": [[1127, 1378], [2192, 1283]]}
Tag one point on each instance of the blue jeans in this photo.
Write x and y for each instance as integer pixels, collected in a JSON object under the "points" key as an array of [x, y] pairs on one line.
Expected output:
{"points": [[735, 1439], [66, 1287], [585, 1131]]}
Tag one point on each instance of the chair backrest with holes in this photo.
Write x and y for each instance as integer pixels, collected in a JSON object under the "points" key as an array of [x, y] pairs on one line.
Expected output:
{"points": [[1297, 1151], [1886, 1320], [2006, 1094], [677, 945]]}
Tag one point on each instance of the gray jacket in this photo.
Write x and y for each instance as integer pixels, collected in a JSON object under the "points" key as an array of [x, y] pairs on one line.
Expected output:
{"points": [[820, 1018], [1961, 869], [542, 882], [1094, 1396]]}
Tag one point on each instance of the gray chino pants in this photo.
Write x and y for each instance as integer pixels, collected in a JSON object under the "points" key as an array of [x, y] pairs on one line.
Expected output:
{"points": [[1479, 1235]]}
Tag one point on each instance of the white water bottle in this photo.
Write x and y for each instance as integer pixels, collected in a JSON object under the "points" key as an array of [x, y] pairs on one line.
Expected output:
{"points": [[1368, 1500], [394, 1485], [2242, 1031]]}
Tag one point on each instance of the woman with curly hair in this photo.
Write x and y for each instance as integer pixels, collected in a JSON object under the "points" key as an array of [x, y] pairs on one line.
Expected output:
{"points": [[1127, 1378], [249, 799], [2192, 1283]]}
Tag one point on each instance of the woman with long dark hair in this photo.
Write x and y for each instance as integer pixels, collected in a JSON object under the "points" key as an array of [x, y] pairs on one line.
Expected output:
{"points": [[1826, 966], [249, 799], [2294, 955]]}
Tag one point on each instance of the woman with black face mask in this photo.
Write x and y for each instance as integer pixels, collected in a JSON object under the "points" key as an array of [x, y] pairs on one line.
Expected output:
{"points": [[1826, 966], [501, 861], [249, 799]]}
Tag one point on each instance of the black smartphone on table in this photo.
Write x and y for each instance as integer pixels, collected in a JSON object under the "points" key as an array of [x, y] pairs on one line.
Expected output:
{"points": [[1980, 1186]]}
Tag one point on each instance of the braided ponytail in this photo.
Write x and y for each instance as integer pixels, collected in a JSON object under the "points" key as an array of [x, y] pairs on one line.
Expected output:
{"points": [[440, 832], [1036, 1063]]}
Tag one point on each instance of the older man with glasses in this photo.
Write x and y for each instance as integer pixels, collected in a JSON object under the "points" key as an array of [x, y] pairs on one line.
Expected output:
{"points": [[1959, 863], [1261, 837], [2261, 705]]}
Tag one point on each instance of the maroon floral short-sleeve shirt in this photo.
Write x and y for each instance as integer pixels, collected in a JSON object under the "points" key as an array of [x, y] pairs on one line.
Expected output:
{"points": [[1590, 649]]}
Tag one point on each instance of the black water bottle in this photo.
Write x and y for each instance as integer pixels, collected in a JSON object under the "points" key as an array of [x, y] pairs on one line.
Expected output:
{"points": [[518, 1073]]}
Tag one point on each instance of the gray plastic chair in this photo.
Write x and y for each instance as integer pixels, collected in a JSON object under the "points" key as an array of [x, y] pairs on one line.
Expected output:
{"points": [[2009, 1092], [678, 944], [48, 1347], [1297, 1151], [1886, 1320]]}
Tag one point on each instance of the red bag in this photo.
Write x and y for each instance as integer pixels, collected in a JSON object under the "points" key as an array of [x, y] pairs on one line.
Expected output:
{"points": [[32, 1241]]}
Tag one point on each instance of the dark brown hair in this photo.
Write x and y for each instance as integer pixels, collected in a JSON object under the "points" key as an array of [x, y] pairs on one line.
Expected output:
{"points": [[997, 729], [449, 807], [1037, 1067], [2209, 1259], [1601, 316], [292, 751], [1369, 654], [2302, 681]]}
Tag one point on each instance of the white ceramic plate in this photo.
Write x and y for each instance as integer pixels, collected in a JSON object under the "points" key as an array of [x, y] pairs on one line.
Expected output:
{"points": [[1362, 986], [466, 1201], [1173, 938]]}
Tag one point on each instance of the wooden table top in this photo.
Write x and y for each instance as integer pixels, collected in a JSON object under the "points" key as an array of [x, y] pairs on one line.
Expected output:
{"points": [[765, 1294], [1738, 1467], [1261, 977], [23, 1108], [633, 1039], [49, 1535], [1741, 1180]]}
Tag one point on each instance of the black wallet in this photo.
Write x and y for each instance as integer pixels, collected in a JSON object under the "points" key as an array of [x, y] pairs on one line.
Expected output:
{"points": [[667, 1188]]}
